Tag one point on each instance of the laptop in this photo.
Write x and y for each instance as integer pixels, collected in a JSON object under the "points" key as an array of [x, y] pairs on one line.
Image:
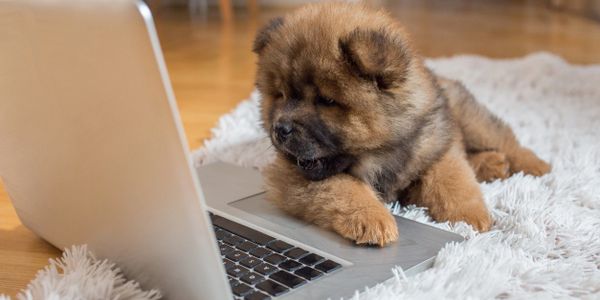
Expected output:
{"points": [[92, 151]]}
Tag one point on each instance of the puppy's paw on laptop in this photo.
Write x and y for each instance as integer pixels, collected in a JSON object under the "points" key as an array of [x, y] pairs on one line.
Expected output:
{"points": [[371, 226]]}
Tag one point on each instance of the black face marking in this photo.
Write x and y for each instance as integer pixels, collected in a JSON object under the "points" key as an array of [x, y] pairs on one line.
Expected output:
{"points": [[312, 140], [317, 138], [321, 134], [322, 168]]}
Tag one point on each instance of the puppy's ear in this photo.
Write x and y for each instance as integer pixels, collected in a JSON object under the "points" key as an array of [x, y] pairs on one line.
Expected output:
{"points": [[376, 56], [263, 37]]}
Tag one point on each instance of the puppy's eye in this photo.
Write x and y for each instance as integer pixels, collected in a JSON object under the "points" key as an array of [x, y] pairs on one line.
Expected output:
{"points": [[326, 101]]}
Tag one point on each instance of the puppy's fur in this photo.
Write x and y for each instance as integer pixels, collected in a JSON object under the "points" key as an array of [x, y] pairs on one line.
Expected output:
{"points": [[358, 120]]}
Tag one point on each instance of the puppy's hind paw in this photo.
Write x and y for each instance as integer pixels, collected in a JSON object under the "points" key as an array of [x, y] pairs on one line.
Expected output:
{"points": [[524, 160], [490, 165]]}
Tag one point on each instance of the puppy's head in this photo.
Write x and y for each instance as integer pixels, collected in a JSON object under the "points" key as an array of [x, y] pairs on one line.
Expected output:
{"points": [[336, 82]]}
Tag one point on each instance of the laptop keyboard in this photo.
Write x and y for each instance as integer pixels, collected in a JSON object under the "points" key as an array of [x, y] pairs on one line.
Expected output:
{"points": [[260, 266]]}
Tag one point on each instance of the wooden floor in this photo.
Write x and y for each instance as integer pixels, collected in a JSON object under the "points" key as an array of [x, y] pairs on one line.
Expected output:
{"points": [[212, 69]]}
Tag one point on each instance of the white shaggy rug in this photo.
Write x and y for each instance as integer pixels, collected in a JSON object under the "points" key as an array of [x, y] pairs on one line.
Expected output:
{"points": [[78, 275], [545, 242]]}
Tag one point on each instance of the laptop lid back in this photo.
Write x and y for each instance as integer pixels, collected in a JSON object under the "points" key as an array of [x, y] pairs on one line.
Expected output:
{"points": [[92, 150]]}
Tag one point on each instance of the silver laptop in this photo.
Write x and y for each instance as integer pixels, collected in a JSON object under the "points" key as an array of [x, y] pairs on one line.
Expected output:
{"points": [[92, 151]]}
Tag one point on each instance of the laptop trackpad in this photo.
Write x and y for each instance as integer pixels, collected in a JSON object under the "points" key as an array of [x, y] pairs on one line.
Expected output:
{"points": [[257, 205]]}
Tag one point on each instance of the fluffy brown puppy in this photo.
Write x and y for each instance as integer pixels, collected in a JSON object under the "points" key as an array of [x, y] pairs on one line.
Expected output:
{"points": [[358, 121]]}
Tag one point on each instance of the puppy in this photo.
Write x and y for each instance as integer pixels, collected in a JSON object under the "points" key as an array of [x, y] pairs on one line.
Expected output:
{"points": [[359, 121]]}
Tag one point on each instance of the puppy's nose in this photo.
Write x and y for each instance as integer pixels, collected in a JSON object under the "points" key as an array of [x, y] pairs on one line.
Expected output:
{"points": [[284, 129]]}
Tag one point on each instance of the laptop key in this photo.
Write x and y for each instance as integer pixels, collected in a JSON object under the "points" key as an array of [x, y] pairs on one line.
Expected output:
{"points": [[225, 249], [308, 273], [252, 278], [246, 246], [327, 266], [228, 264], [221, 234], [274, 258], [241, 289], [260, 252], [256, 295], [288, 279], [279, 246], [236, 255], [290, 265], [272, 288], [250, 262], [233, 240], [311, 259], [232, 281], [296, 253], [237, 271], [265, 269], [241, 230]]}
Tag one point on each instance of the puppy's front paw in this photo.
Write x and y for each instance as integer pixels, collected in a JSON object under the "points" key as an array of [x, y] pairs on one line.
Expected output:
{"points": [[374, 226], [524, 160]]}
